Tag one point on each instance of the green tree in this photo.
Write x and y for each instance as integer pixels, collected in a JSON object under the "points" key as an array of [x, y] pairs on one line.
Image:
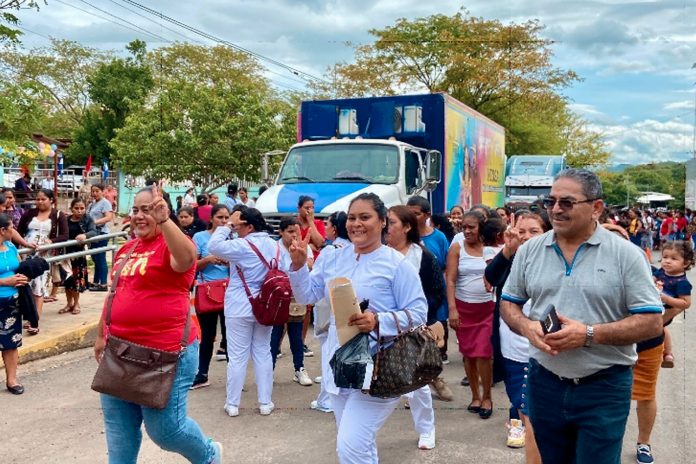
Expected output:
{"points": [[115, 89], [210, 115], [59, 74], [9, 21], [668, 177], [504, 71]]}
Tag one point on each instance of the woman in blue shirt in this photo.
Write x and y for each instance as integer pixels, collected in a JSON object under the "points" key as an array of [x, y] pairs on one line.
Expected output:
{"points": [[10, 319], [210, 268]]}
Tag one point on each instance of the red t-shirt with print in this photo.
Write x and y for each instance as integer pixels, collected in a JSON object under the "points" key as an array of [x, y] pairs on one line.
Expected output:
{"points": [[152, 299], [320, 228]]}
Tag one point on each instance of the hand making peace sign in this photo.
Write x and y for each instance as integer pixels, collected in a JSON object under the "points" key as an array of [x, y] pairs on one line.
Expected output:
{"points": [[298, 252]]}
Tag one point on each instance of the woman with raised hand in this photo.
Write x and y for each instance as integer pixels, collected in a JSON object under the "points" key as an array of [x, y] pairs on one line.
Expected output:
{"points": [[380, 275], [151, 308], [515, 349], [246, 338]]}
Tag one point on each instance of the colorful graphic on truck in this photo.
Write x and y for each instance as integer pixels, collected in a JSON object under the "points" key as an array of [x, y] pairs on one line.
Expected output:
{"points": [[474, 159]]}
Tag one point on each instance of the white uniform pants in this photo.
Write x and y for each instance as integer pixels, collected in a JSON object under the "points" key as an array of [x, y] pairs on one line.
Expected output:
{"points": [[247, 338], [421, 402], [358, 419], [324, 398]]}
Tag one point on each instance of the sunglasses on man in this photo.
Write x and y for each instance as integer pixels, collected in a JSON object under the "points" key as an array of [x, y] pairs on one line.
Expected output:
{"points": [[564, 203]]}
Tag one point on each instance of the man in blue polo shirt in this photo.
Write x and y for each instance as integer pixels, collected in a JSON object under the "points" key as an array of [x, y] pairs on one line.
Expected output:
{"points": [[579, 381]]}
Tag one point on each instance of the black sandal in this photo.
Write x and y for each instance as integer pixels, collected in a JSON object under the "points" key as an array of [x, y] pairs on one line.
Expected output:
{"points": [[15, 389]]}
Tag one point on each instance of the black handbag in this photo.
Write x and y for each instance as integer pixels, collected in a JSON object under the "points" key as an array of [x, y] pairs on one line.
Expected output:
{"points": [[132, 372], [406, 362]]}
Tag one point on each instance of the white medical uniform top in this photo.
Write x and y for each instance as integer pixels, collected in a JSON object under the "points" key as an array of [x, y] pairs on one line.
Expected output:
{"points": [[238, 253], [384, 277]]}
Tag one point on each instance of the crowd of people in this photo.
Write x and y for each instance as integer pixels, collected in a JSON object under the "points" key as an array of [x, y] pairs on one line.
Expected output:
{"points": [[491, 275]]}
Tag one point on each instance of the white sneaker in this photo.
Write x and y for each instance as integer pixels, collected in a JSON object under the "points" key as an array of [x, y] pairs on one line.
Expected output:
{"points": [[426, 441], [515, 436], [302, 378], [217, 458], [317, 379], [232, 411], [319, 407], [266, 409]]}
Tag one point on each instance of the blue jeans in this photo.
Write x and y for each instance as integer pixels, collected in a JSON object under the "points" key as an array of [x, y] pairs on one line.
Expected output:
{"points": [[101, 269], [296, 346], [169, 428], [579, 424]]}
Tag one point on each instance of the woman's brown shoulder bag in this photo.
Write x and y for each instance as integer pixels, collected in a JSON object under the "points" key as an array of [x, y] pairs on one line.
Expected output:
{"points": [[133, 372], [412, 360]]}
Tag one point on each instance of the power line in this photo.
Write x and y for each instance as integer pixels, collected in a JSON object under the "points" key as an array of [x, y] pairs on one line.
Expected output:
{"points": [[110, 20], [208, 36], [125, 21], [156, 23]]}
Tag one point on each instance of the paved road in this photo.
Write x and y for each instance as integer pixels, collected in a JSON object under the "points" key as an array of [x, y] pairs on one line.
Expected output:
{"points": [[58, 419]]}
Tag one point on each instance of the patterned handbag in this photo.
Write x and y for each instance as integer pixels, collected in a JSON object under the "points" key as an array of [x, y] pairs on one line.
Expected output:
{"points": [[411, 361]]}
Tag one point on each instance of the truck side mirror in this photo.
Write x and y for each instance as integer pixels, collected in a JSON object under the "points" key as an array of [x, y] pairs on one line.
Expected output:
{"points": [[433, 170]]}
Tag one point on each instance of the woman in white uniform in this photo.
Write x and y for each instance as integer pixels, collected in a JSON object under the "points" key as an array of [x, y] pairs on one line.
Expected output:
{"points": [[403, 236], [245, 336], [337, 233], [384, 277]]}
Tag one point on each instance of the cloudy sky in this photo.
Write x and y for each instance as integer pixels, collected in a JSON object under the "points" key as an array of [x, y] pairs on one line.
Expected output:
{"points": [[635, 57]]}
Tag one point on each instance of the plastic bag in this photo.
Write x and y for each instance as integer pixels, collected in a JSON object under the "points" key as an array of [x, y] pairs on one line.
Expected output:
{"points": [[352, 363]]}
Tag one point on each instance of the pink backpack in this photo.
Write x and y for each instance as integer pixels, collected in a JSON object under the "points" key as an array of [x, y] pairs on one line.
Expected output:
{"points": [[272, 305]]}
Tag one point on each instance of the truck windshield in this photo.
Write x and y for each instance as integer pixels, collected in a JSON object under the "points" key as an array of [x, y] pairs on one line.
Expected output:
{"points": [[529, 191], [374, 164]]}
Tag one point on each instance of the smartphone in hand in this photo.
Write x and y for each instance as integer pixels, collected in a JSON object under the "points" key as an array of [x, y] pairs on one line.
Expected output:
{"points": [[550, 322]]}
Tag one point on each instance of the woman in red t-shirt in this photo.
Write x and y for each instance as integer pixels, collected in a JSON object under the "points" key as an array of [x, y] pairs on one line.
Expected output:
{"points": [[315, 228], [151, 308], [309, 225]]}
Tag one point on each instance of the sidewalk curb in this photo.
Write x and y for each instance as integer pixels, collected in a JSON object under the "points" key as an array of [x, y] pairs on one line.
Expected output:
{"points": [[71, 340]]}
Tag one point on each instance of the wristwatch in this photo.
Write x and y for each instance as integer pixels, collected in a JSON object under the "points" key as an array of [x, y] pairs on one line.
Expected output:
{"points": [[589, 334]]}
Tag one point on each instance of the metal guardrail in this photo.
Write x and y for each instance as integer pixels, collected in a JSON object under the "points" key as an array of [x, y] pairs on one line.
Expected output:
{"points": [[67, 243], [78, 254]]}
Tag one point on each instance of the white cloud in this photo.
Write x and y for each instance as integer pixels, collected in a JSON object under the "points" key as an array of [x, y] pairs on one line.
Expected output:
{"points": [[648, 141], [680, 105]]}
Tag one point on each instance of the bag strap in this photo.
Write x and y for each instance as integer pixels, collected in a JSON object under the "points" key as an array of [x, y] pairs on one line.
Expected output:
{"points": [[246, 287], [258, 253], [114, 284]]}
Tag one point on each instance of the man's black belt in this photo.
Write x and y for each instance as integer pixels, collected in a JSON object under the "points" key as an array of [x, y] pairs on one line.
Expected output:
{"points": [[608, 372]]}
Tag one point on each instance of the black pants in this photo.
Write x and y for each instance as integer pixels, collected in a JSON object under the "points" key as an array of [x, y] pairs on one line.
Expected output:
{"points": [[208, 322]]}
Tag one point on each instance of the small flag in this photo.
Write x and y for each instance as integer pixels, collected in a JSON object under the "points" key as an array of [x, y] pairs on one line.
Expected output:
{"points": [[105, 170], [88, 166]]}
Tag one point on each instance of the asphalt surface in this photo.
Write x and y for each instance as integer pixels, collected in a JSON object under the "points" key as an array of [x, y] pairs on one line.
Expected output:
{"points": [[58, 419]]}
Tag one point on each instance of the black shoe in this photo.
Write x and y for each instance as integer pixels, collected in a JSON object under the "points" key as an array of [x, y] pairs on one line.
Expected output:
{"points": [[473, 409], [15, 389], [464, 382], [200, 381], [485, 413], [221, 355]]}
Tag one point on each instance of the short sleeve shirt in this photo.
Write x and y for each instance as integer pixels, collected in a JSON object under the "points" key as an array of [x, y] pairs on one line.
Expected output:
{"points": [[438, 245], [152, 300], [606, 281], [98, 210], [211, 271]]}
